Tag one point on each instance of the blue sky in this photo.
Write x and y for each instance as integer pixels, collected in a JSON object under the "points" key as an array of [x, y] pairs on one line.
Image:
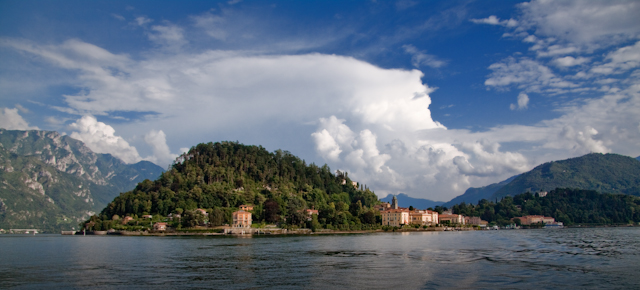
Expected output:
{"points": [[426, 98]]}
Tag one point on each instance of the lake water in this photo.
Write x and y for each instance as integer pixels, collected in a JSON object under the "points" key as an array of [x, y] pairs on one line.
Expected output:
{"points": [[530, 259]]}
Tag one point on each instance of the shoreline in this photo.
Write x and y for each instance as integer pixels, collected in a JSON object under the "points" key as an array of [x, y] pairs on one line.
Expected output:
{"points": [[280, 231], [263, 232]]}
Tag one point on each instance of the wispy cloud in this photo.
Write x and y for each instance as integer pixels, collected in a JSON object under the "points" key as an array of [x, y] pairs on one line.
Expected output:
{"points": [[421, 58], [493, 20]]}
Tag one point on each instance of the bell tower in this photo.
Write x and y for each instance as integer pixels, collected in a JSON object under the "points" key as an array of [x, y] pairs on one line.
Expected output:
{"points": [[394, 202]]}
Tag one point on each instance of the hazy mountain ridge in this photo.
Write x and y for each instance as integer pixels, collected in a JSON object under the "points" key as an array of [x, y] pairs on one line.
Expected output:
{"points": [[406, 201], [52, 182], [475, 194]]}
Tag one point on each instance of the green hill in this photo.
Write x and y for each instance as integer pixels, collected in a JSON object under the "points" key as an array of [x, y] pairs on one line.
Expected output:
{"points": [[610, 173], [219, 177], [52, 182]]}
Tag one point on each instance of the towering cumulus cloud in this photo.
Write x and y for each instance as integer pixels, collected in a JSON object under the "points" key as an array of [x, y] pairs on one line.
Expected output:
{"points": [[101, 138]]}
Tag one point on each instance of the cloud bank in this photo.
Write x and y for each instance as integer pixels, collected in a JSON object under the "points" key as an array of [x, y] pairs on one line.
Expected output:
{"points": [[373, 122]]}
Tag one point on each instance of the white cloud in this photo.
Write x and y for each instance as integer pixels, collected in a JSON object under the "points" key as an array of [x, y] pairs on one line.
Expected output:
{"points": [[569, 61], [420, 58], [117, 16], [22, 109], [101, 138], [327, 145], [213, 25], [523, 102], [213, 79], [526, 74], [167, 35], [360, 151], [588, 24], [493, 20], [621, 60], [10, 119], [161, 152], [142, 20]]}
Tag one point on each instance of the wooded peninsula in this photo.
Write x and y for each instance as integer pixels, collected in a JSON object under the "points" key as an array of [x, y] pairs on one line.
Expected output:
{"points": [[207, 185]]}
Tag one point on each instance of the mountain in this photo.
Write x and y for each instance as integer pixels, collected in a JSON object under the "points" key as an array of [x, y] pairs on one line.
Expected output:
{"points": [[52, 182], [610, 173], [475, 194], [220, 177], [566, 205], [638, 158], [406, 201]]}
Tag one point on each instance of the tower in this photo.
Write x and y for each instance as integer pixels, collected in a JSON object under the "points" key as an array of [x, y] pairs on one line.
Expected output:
{"points": [[394, 202]]}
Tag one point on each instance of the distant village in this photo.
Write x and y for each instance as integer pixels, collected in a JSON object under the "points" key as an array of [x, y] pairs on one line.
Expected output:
{"points": [[395, 216]]}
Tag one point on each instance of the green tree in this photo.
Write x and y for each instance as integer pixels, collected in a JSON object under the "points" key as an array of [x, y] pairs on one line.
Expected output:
{"points": [[192, 218]]}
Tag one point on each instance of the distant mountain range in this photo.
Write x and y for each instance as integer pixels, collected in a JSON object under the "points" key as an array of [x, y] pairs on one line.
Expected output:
{"points": [[606, 173], [52, 182], [406, 201], [474, 194]]}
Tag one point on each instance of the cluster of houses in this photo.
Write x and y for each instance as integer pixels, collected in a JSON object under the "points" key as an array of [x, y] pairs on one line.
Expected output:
{"points": [[395, 216]]}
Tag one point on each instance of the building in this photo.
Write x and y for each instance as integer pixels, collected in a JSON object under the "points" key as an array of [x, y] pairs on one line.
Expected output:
{"points": [[423, 217], [535, 219], [203, 211], [147, 216], [160, 227], [394, 202], [310, 213], [246, 207], [452, 219], [474, 220], [241, 219], [126, 219], [395, 217], [382, 206]]}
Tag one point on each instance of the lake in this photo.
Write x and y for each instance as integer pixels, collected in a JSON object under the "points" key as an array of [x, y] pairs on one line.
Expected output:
{"points": [[530, 259]]}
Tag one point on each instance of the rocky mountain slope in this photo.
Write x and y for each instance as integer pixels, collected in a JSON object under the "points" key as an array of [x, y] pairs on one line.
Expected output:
{"points": [[52, 182]]}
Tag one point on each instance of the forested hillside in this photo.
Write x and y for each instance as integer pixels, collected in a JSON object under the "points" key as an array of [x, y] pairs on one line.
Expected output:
{"points": [[611, 173], [219, 177], [570, 206]]}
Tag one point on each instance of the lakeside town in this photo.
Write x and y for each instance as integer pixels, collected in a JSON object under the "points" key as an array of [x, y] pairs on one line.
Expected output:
{"points": [[394, 218]]}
